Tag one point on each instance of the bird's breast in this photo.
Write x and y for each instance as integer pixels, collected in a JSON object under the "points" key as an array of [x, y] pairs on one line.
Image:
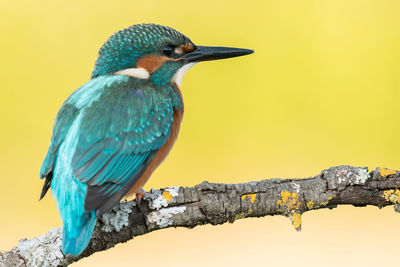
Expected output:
{"points": [[160, 155]]}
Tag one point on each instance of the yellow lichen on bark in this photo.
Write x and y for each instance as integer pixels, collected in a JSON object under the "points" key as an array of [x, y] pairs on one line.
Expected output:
{"points": [[296, 220], [251, 196], [167, 196], [239, 216], [392, 196], [385, 172], [323, 203], [290, 202], [310, 204]]}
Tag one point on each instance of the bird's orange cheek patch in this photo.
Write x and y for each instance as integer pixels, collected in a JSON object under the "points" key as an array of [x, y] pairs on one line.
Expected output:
{"points": [[151, 63], [182, 49], [187, 48]]}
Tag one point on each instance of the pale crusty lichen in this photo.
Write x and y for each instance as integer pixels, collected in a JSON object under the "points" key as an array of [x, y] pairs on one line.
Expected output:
{"points": [[39, 254], [164, 217], [339, 177], [251, 196], [173, 190], [291, 205], [156, 199], [117, 217], [159, 198], [170, 192], [385, 172], [362, 176], [295, 186]]}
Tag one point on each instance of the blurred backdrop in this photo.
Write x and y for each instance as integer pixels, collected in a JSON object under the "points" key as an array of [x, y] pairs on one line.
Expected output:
{"points": [[321, 90]]}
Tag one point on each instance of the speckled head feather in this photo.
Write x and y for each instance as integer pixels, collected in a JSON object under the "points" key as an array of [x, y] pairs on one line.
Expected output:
{"points": [[124, 48]]}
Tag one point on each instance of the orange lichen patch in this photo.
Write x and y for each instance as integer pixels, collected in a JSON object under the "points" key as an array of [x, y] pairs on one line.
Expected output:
{"points": [[323, 203], [151, 63], [392, 196], [285, 196], [296, 220], [291, 204], [167, 196], [251, 196], [289, 200], [310, 204], [386, 172]]}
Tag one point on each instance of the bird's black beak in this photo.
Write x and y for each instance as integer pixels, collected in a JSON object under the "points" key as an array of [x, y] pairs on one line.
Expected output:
{"points": [[205, 53]]}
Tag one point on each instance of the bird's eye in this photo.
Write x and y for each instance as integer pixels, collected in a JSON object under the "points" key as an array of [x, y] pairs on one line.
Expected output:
{"points": [[168, 50]]}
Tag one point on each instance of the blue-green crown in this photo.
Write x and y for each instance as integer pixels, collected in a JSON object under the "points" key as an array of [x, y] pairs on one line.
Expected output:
{"points": [[125, 47]]}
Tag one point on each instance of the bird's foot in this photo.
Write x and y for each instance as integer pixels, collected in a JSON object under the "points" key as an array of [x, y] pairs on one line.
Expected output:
{"points": [[139, 196]]}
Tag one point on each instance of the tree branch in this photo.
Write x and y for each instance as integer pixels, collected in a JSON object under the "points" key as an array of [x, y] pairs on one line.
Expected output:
{"points": [[216, 204]]}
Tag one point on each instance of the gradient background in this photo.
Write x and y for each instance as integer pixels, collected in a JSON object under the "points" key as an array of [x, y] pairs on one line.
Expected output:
{"points": [[321, 90]]}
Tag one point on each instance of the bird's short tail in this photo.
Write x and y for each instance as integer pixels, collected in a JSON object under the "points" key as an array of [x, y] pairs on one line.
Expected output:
{"points": [[77, 233]]}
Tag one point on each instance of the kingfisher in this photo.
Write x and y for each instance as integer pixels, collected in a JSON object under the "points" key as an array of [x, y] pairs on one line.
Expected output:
{"points": [[113, 132]]}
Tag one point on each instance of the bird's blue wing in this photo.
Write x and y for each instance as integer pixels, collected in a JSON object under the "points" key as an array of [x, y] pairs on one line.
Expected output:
{"points": [[120, 133], [66, 116], [62, 123]]}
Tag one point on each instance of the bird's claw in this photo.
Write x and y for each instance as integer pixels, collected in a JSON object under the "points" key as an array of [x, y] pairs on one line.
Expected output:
{"points": [[139, 196]]}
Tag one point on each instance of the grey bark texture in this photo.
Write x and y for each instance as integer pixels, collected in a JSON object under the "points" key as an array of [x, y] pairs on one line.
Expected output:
{"points": [[210, 203]]}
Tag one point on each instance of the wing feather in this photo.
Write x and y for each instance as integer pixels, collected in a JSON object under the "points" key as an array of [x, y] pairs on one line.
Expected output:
{"points": [[119, 135], [124, 123]]}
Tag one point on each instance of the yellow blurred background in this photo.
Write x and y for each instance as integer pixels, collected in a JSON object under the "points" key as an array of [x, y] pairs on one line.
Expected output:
{"points": [[321, 90]]}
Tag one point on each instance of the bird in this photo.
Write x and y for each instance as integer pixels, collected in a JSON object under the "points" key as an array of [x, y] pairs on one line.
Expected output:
{"points": [[113, 132]]}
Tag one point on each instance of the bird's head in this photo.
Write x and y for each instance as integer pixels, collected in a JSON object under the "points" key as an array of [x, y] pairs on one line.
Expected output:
{"points": [[159, 53]]}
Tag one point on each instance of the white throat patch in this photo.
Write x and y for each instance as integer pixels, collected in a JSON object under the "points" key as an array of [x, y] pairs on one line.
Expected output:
{"points": [[178, 77], [139, 73]]}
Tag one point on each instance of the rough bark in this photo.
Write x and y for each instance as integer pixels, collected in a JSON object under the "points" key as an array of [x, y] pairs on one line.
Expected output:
{"points": [[216, 204]]}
